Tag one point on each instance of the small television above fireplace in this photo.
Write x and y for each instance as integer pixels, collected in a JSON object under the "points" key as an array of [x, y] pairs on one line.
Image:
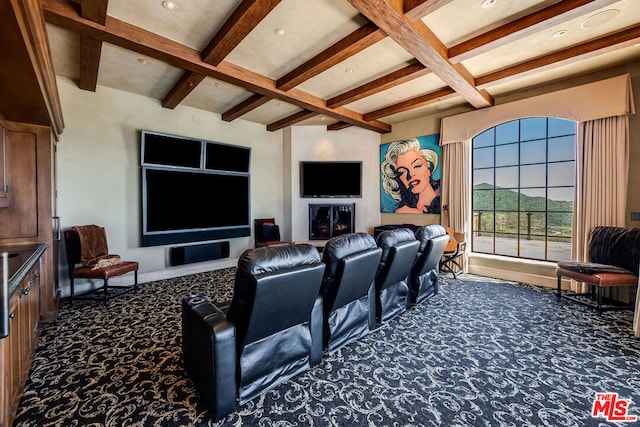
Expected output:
{"points": [[330, 179]]}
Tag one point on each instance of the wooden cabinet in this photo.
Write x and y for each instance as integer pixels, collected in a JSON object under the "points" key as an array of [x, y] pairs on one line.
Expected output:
{"points": [[4, 169], [17, 349], [28, 216]]}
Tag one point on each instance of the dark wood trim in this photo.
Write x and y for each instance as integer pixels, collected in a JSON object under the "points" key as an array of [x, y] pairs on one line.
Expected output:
{"points": [[45, 108], [244, 18], [420, 41], [395, 78], [353, 43], [291, 120], [416, 9], [527, 25], [609, 43], [410, 104], [244, 107], [187, 83], [122, 34], [338, 126], [91, 49]]}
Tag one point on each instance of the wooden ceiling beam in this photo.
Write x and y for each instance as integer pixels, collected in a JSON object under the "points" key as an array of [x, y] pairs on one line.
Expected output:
{"points": [[410, 104], [291, 120], [91, 49], [127, 36], [420, 42], [608, 43], [525, 26], [242, 21], [187, 83], [353, 43], [416, 9], [395, 78], [244, 107], [338, 126]]}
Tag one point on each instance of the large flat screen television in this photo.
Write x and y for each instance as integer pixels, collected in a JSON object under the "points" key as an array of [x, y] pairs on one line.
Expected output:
{"points": [[189, 193], [330, 179]]}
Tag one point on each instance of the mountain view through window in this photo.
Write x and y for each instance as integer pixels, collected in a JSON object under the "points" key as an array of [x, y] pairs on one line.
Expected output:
{"points": [[523, 184]]}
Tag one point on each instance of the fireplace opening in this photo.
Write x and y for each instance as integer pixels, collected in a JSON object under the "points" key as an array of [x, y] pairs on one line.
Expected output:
{"points": [[327, 221]]}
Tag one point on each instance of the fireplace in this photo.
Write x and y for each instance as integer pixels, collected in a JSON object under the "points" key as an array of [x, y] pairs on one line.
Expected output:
{"points": [[327, 221]]}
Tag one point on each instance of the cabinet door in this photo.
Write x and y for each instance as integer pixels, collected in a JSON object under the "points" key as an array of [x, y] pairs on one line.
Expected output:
{"points": [[20, 218], [4, 170]]}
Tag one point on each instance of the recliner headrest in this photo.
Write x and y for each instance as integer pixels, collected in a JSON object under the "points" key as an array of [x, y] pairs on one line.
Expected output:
{"points": [[265, 260], [340, 246], [390, 238], [428, 232]]}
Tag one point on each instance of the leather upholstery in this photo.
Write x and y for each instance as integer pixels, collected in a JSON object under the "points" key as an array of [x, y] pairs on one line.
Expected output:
{"points": [[209, 354], [348, 288], [399, 249], [614, 257], [266, 233], [425, 271], [614, 246], [76, 270], [276, 316]]}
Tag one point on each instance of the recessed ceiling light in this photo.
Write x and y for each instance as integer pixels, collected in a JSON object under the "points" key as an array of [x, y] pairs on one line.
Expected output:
{"points": [[218, 85], [279, 32], [488, 3], [143, 61], [169, 5], [349, 70], [559, 34], [599, 18]]}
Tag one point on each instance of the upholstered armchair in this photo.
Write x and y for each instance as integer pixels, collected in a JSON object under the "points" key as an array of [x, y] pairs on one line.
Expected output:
{"points": [[88, 258], [267, 233], [426, 268], [348, 288], [269, 332], [399, 249]]}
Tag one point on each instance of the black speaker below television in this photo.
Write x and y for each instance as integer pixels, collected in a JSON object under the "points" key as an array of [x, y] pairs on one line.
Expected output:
{"points": [[180, 255]]}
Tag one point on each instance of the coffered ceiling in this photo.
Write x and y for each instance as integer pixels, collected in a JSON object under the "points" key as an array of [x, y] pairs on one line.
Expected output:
{"points": [[339, 63]]}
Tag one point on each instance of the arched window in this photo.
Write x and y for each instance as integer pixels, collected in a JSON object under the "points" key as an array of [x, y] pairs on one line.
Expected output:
{"points": [[523, 179]]}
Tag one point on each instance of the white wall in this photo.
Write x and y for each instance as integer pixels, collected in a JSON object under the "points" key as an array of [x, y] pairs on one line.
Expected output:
{"points": [[98, 170], [98, 162], [350, 144]]}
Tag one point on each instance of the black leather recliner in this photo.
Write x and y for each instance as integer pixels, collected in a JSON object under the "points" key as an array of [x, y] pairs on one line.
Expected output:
{"points": [[270, 331], [426, 268], [348, 288], [399, 249]]}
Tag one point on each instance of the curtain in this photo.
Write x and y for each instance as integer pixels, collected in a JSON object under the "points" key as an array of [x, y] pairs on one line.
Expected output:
{"points": [[602, 167], [602, 170], [456, 189]]}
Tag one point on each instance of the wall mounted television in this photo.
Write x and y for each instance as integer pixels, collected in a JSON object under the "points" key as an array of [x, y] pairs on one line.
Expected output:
{"points": [[193, 190], [330, 179]]}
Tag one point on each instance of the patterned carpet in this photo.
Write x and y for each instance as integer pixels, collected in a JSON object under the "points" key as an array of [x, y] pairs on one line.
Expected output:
{"points": [[481, 353]]}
